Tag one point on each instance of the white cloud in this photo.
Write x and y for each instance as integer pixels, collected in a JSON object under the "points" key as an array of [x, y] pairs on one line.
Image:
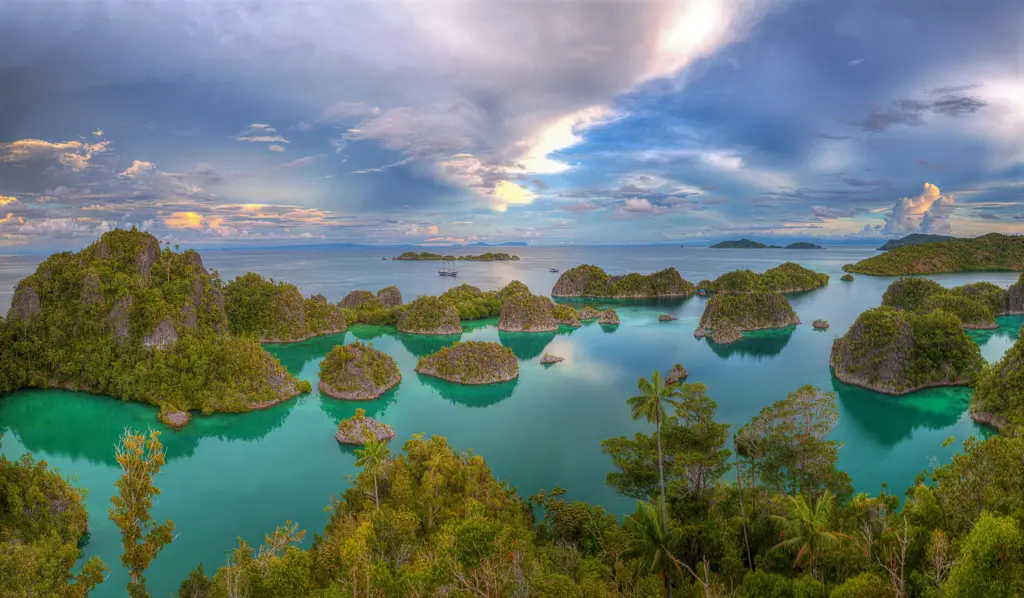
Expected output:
{"points": [[926, 213], [276, 148], [98, 133], [260, 133], [137, 169], [72, 154], [304, 161], [855, 62], [637, 204]]}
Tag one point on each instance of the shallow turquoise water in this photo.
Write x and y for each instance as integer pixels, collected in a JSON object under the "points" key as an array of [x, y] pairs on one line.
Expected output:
{"points": [[242, 475]]}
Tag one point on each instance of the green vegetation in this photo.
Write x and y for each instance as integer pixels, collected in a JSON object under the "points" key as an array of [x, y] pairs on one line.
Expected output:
{"points": [[991, 252], [357, 372], [910, 293], [471, 362], [846, 277], [803, 245], [565, 315], [973, 313], [429, 315], [999, 394], [522, 311], [743, 244], [913, 239], [592, 281], [472, 303], [970, 303], [897, 352], [360, 429], [483, 257], [589, 312], [128, 319], [749, 311], [784, 278], [275, 312], [994, 296]]}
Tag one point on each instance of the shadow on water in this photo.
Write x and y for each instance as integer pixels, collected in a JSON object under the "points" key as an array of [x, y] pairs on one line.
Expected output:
{"points": [[890, 420], [527, 345], [608, 328], [339, 409], [1009, 328], [761, 344], [471, 395], [59, 431], [295, 356], [416, 344]]}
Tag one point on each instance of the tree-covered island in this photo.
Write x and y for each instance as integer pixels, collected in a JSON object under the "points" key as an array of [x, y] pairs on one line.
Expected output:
{"points": [[483, 257], [357, 372], [362, 430], [976, 304], [748, 244], [429, 315], [735, 313], [275, 311], [988, 253], [588, 281], [129, 319], [471, 362], [784, 278]]}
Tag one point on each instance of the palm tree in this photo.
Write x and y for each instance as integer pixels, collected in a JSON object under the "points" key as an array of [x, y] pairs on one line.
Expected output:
{"points": [[653, 542], [651, 406], [805, 530], [373, 454]]}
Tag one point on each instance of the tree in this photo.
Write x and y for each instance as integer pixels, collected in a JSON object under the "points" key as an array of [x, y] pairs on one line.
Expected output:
{"points": [[372, 456], [787, 448], [654, 543], [140, 458], [650, 405], [991, 561], [805, 530]]}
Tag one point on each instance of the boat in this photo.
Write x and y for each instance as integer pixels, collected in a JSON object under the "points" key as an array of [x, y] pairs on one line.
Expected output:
{"points": [[552, 269], [703, 292], [448, 270]]}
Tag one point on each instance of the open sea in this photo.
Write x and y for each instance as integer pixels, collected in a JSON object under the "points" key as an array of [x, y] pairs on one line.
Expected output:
{"points": [[230, 476]]}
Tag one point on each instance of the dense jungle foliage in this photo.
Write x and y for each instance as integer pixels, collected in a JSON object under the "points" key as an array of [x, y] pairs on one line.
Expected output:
{"points": [[991, 252], [276, 311], [785, 278], [592, 281]]}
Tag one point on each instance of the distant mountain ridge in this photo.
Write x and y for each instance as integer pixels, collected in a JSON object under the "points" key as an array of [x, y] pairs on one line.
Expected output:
{"points": [[914, 239], [748, 244]]}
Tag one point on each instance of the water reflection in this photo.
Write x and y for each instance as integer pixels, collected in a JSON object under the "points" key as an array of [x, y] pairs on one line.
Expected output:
{"points": [[339, 409], [761, 344], [295, 356], [1009, 329], [890, 420], [471, 395], [527, 345]]}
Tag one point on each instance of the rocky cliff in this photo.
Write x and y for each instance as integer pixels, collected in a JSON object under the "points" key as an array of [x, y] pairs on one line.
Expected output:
{"points": [[522, 311], [471, 362], [275, 311], [592, 281], [357, 372], [749, 311], [430, 315]]}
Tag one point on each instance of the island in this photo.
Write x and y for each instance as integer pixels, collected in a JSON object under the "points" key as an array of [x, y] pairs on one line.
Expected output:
{"points": [[522, 311], [429, 315], [588, 313], [483, 257], [820, 325], [357, 372], [609, 317], [993, 252], [789, 277], [913, 239], [803, 245], [748, 244], [359, 428], [471, 362], [666, 318], [846, 277], [549, 359], [275, 311], [971, 304], [897, 352], [748, 311], [472, 303], [386, 298], [999, 394], [129, 319], [726, 332], [676, 374], [566, 315], [593, 282]]}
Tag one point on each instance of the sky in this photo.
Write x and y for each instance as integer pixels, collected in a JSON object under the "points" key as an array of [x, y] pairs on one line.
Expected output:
{"points": [[220, 123]]}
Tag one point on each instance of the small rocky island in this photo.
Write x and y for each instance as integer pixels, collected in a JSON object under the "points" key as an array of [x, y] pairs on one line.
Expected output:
{"points": [[471, 362], [593, 282], [549, 359], [676, 374], [566, 315], [999, 394], [357, 372], [609, 317], [789, 277], [976, 305], [430, 315], [386, 298], [588, 313], [748, 244], [359, 428], [897, 352], [522, 311], [820, 325], [275, 311], [483, 257], [748, 311], [666, 318], [846, 277]]}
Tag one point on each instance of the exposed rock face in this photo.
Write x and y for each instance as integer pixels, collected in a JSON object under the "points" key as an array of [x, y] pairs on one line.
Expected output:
{"points": [[991, 420], [592, 281], [588, 313], [1015, 299], [676, 375], [91, 294], [820, 325], [163, 336], [430, 315], [749, 311], [700, 333], [897, 352], [147, 256], [471, 362], [175, 419], [24, 305], [355, 299], [389, 296], [289, 310], [549, 359], [522, 311], [609, 318], [666, 318], [566, 315], [357, 372], [119, 320], [322, 317], [359, 428], [726, 332]]}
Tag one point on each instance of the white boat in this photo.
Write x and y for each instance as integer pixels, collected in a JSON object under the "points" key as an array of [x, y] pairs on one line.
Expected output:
{"points": [[552, 269], [448, 270]]}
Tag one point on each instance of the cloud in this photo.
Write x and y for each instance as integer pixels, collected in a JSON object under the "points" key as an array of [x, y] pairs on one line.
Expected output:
{"points": [[911, 112], [75, 155], [637, 204], [137, 169], [582, 206], [925, 213], [260, 133], [832, 213], [98, 133], [276, 148], [304, 161], [855, 62], [6, 200], [506, 193], [192, 220]]}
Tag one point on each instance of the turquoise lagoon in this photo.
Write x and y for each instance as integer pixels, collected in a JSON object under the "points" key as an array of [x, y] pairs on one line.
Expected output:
{"points": [[242, 475]]}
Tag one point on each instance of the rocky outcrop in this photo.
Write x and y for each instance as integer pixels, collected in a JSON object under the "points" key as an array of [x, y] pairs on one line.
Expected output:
{"points": [[846, 277], [119, 319], [592, 281], [666, 318], [1015, 298], [820, 325], [322, 317], [24, 305], [676, 374], [726, 331], [566, 315], [147, 255], [910, 293], [91, 293], [897, 352], [522, 311], [357, 372], [609, 318], [288, 312], [175, 419], [588, 313], [357, 299], [549, 359], [430, 315], [985, 418], [162, 337], [700, 333], [389, 297], [749, 311], [359, 428], [471, 362]]}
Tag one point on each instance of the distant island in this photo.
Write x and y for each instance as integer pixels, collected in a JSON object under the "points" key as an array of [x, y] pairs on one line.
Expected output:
{"points": [[748, 244], [483, 257], [594, 282], [913, 239], [989, 253]]}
